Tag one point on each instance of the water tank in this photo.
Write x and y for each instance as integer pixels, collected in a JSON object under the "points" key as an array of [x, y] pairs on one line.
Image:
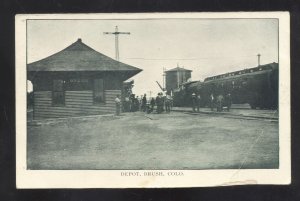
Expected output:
{"points": [[175, 77]]}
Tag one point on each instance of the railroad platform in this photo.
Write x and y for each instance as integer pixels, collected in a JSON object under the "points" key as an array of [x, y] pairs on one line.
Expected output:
{"points": [[236, 111], [135, 140]]}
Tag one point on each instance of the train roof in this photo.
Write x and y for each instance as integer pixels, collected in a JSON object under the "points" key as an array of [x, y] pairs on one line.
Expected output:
{"points": [[195, 84], [189, 83], [246, 71]]}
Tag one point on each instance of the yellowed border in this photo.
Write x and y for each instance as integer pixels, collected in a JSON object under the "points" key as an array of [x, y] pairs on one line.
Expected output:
{"points": [[192, 178]]}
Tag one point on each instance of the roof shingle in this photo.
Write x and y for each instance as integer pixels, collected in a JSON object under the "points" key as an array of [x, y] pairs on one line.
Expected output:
{"points": [[80, 57]]}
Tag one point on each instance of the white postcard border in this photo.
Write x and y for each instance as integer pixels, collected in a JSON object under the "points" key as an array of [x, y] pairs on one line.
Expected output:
{"points": [[191, 178]]}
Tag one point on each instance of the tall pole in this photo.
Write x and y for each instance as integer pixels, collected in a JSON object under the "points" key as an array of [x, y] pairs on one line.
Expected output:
{"points": [[164, 78], [183, 75], [258, 57], [117, 43], [116, 33], [177, 78], [177, 75]]}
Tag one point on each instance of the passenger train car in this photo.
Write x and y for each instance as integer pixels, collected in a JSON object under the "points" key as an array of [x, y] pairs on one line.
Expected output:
{"points": [[256, 86]]}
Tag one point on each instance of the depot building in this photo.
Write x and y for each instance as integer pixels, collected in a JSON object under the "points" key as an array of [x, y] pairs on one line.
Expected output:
{"points": [[77, 81]]}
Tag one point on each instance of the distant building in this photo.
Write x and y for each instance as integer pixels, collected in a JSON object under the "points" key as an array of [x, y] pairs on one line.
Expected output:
{"points": [[175, 77], [77, 81]]}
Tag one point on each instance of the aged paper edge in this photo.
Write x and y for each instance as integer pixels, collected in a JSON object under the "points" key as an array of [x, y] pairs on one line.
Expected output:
{"points": [[192, 178]]}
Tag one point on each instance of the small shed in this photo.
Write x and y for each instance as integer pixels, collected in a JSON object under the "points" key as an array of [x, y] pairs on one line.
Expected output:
{"points": [[76, 81]]}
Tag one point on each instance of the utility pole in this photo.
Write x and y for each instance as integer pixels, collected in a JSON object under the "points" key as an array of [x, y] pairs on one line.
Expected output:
{"points": [[177, 76], [116, 33], [164, 77], [258, 57], [183, 75]]}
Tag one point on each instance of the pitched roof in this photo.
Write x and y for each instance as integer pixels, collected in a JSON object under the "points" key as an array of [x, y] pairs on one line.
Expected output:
{"points": [[80, 57], [178, 69]]}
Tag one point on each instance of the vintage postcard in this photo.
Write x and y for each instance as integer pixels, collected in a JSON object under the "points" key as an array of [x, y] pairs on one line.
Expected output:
{"points": [[152, 100]]}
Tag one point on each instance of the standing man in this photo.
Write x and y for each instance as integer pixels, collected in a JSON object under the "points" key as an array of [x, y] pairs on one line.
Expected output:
{"points": [[127, 104], [144, 103], [118, 105], [137, 104], [212, 102], [162, 102], [220, 103], [132, 103], [152, 103], [228, 101], [168, 103], [198, 102], [159, 103], [194, 101]]}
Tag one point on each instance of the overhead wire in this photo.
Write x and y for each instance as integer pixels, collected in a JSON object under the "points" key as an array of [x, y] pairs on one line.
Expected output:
{"points": [[199, 58]]}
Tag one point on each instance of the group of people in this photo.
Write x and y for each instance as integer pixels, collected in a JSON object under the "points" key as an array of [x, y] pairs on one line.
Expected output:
{"points": [[130, 104], [134, 103], [220, 102], [196, 101], [163, 103]]}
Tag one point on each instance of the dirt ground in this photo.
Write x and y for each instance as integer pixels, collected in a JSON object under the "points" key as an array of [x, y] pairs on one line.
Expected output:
{"points": [[165, 141]]}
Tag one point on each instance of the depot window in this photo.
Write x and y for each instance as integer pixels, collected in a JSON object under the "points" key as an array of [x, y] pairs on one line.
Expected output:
{"points": [[77, 84], [98, 91], [58, 95]]}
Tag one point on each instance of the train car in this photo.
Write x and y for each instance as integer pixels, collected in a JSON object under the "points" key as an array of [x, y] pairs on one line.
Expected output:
{"points": [[256, 86], [182, 95]]}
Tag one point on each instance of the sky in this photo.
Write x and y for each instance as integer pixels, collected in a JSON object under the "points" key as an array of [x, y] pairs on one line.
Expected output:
{"points": [[206, 46]]}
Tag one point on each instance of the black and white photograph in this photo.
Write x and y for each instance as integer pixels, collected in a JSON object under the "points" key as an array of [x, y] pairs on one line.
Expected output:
{"points": [[152, 100]]}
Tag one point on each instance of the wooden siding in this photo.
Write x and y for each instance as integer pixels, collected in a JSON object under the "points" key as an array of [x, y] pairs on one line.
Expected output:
{"points": [[77, 103]]}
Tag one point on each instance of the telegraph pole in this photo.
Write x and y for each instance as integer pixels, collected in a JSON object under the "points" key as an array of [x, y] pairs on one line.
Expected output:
{"points": [[177, 76], [116, 33], [164, 77], [258, 57]]}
